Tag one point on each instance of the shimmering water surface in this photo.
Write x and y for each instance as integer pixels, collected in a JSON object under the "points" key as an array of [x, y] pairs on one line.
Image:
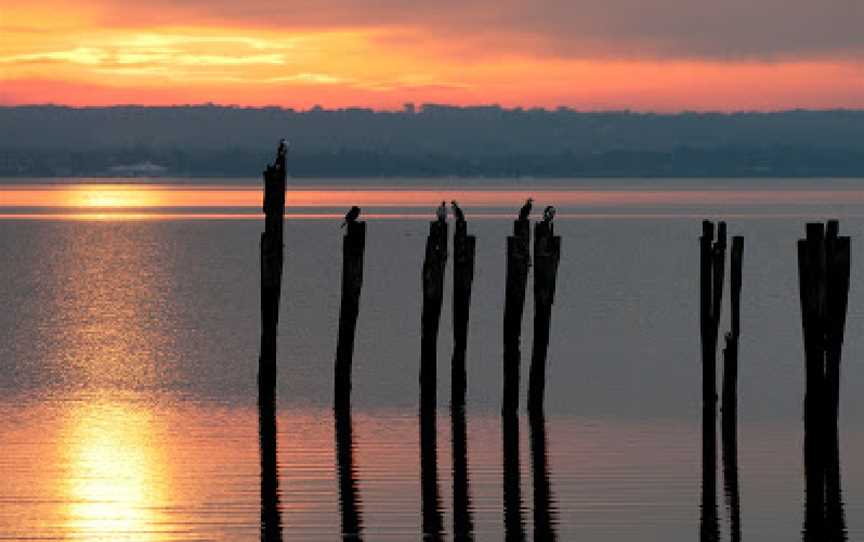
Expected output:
{"points": [[129, 340]]}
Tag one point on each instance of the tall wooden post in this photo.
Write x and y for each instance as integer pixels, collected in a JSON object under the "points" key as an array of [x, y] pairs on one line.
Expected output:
{"points": [[271, 267], [712, 259], [463, 276], [730, 395], [518, 254], [547, 254], [353, 246], [433, 296]]}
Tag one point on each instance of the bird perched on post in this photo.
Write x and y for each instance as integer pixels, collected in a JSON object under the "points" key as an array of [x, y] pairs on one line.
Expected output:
{"points": [[351, 216], [441, 212], [525, 211], [548, 214], [457, 211], [283, 148]]}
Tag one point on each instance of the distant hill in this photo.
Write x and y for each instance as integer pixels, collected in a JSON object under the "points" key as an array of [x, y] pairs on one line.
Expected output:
{"points": [[431, 140]]}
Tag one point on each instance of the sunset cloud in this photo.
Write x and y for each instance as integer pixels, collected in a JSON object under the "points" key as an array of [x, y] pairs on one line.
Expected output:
{"points": [[687, 54]]}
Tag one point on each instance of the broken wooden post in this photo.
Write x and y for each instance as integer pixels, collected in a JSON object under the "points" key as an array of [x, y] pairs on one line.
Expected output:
{"points": [[547, 253], [433, 296], [463, 276], [271, 265], [729, 408], [514, 303], [353, 246]]}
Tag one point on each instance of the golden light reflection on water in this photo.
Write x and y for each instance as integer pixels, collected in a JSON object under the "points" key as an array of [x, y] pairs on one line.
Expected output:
{"points": [[118, 478]]}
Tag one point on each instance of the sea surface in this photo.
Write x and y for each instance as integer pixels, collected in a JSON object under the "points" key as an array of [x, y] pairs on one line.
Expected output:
{"points": [[130, 328]]}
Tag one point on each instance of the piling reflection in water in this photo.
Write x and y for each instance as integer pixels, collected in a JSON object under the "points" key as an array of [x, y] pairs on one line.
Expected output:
{"points": [[463, 524], [544, 506], [433, 521], [352, 523], [271, 519], [514, 523]]}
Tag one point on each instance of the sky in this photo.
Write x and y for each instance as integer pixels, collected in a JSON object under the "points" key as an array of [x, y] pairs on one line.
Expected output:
{"points": [[646, 55]]}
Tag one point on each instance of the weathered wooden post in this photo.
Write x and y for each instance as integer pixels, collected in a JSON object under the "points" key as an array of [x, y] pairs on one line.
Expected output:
{"points": [[463, 276], [823, 267], [353, 246], [712, 259], [271, 265], [547, 254], [730, 400], [352, 523], [514, 303], [433, 296]]}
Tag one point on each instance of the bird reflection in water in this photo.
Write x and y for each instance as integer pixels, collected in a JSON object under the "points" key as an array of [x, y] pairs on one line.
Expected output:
{"points": [[271, 520], [349, 499]]}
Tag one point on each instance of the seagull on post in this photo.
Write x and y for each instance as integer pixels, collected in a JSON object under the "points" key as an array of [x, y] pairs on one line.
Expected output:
{"points": [[525, 211], [457, 211], [351, 216], [441, 212]]}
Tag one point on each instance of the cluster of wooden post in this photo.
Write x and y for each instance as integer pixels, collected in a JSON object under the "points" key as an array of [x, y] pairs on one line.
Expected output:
{"points": [[712, 255], [823, 272]]}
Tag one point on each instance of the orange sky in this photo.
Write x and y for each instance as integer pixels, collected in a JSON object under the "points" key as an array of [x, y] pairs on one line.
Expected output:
{"points": [[383, 54]]}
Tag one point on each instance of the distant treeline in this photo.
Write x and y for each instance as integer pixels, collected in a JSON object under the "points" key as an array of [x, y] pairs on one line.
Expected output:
{"points": [[431, 140]]}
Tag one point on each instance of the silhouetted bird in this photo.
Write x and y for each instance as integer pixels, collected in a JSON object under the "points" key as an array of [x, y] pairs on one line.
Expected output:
{"points": [[351, 215], [548, 214], [283, 148], [525, 211], [457, 211], [441, 212]]}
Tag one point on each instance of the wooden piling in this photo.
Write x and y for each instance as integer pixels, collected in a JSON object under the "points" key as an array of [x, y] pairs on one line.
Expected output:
{"points": [[353, 246], [547, 254], [433, 296], [275, 178], [514, 303], [823, 274], [729, 421], [711, 273], [463, 276]]}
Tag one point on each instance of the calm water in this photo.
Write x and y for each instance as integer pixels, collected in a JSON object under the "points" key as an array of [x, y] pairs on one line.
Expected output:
{"points": [[129, 340]]}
